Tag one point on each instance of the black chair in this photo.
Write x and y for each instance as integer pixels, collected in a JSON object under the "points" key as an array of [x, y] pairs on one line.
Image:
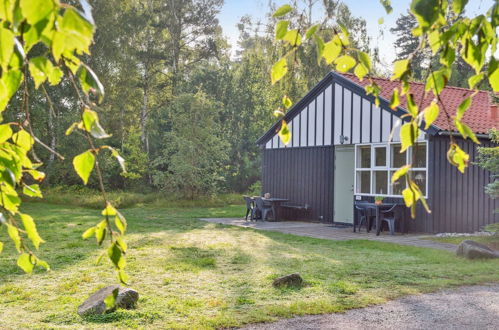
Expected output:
{"points": [[263, 208], [363, 217], [390, 216], [250, 208]]}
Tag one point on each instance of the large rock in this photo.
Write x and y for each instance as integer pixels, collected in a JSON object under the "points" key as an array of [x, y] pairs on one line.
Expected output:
{"points": [[94, 305], [288, 280], [473, 250]]}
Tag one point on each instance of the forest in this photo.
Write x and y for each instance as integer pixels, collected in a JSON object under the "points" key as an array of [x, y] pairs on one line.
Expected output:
{"points": [[184, 107]]}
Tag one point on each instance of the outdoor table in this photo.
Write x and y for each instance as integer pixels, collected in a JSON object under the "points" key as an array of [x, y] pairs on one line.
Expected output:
{"points": [[276, 203], [378, 208]]}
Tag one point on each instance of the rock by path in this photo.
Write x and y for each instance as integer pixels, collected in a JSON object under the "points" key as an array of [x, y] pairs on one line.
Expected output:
{"points": [[472, 307]]}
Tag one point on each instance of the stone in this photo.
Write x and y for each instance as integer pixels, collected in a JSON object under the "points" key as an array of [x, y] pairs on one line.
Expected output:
{"points": [[474, 250], [95, 305], [288, 280]]}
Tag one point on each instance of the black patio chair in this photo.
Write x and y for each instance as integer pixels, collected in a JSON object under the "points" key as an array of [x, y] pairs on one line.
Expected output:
{"points": [[390, 216], [364, 217], [263, 208], [250, 208]]}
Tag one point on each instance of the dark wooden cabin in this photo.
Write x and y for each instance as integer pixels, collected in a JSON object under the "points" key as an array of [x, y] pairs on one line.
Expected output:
{"points": [[342, 150]]}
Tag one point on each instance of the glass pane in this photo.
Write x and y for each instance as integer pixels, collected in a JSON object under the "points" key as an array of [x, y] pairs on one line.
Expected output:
{"points": [[363, 182], [420, 155], [380, 156], [380, 182], [364, 154], [398, 159], [420, 179], [398, 186]]}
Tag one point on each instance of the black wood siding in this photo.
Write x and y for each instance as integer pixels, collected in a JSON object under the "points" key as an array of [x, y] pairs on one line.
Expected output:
{"points": [[459, 202], [302, 175]]}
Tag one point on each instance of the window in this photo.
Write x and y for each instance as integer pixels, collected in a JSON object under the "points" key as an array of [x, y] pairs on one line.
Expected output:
{"points": [[376, 163]]}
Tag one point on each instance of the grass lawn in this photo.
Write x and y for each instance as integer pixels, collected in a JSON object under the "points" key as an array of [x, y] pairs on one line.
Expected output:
{"points": [[490, 241], [192, 274]]}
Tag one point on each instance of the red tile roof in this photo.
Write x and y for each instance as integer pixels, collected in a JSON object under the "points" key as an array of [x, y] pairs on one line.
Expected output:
{"points": [[480, 117]]}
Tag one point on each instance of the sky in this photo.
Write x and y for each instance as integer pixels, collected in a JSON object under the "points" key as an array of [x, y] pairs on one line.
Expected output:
{"points": [[370, 10]]}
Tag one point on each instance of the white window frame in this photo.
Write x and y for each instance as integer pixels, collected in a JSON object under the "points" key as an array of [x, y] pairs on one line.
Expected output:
{"points": [[388, 168]]}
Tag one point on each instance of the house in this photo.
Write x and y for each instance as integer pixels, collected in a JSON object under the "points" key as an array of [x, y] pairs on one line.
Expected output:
{"points": [[341, 152]]}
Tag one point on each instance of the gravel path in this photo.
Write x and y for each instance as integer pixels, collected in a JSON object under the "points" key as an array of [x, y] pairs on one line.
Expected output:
{"points": [[473, 307]]}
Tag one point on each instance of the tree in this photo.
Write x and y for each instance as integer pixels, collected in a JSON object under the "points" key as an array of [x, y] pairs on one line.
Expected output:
{"points": [[406, 44], [194, 155], [43, 42]]}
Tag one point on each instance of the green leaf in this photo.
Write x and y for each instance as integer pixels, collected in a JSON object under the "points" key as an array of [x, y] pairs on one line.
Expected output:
{"points": [[90, 83], [286, 102], [381, 20], [123, 277], [121, 224], [364, 59], [1, 247], [42, 69], [400, 68], [465, 131], [110, 300], [91, 124], [88, 233], [120, 159], [395, 99], [426, 12], [436, 81], [279, 70], [109, 210], [463, 107], [36, 10], [283, 10], [14, 236], [280, 29], [42, 263], [360, 71], [31, 231], [284, 133], [23, 139], [493, 73], [345, 63], [75, 34], [100, 231], [84, 164], [293, 37], [116, 256], [412, 107], [32, 191], [9, 83], [6, 47], [409, 132], [400, 173], [387, 4], [71, 128], [458, 5], [121, 243], [5, 132], [311, 31], [431, 114], [25, 263], [448, 55], [331, 51], [409, 197], [474, 80], [457, 157]]}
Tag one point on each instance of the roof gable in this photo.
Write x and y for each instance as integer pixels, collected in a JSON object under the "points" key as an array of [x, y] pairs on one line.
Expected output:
{"points": [[479, 117]]}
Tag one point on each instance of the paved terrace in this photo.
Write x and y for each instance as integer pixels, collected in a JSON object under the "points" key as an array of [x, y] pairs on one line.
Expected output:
{"points": [[327, 231]]}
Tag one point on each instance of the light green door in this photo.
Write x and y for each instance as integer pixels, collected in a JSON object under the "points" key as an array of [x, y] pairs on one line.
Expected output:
{"points": [[344, 163]]}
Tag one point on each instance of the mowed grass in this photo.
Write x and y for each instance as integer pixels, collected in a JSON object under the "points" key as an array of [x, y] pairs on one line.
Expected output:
{"points": [[193, 274], [491, 241]]}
